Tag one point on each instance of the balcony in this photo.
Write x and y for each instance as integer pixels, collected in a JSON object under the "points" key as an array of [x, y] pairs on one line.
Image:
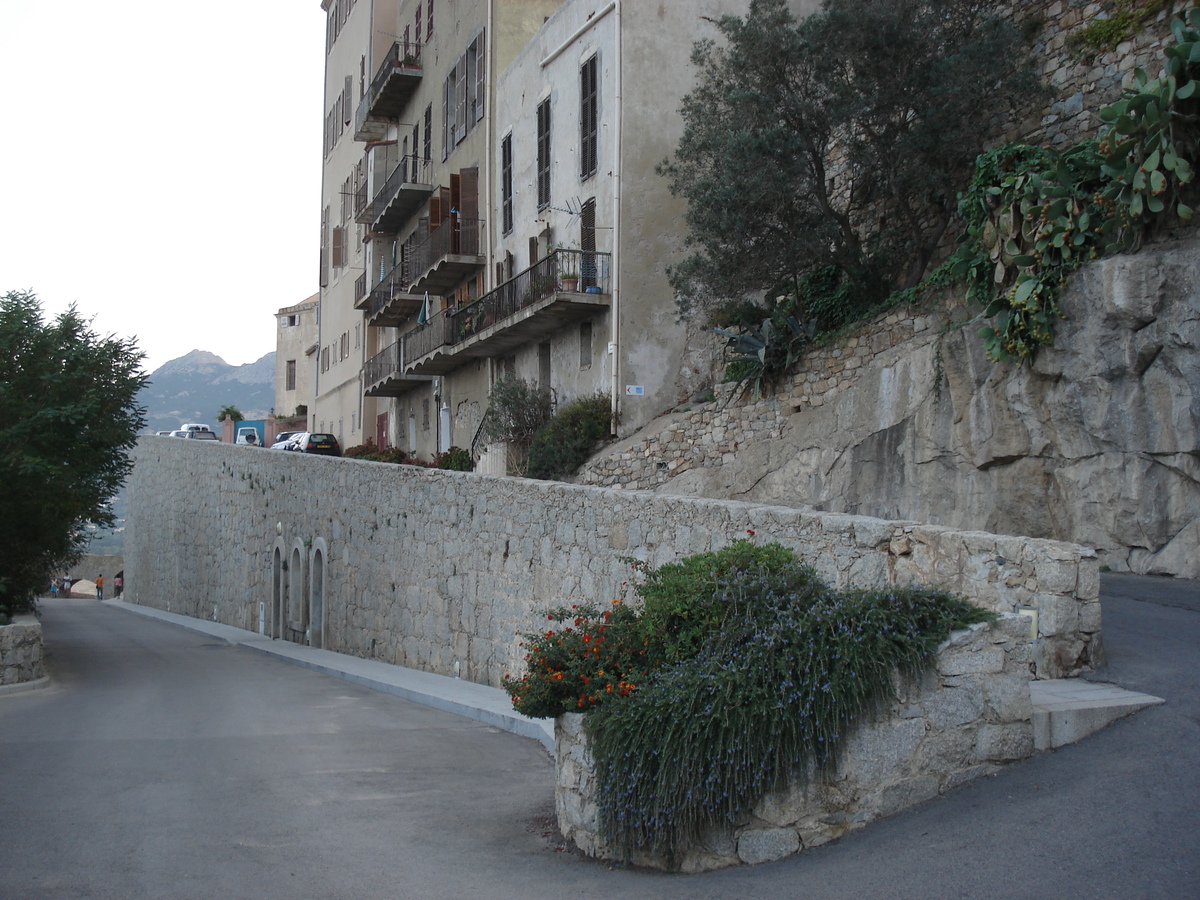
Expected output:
{"points": [[393, 85], [384, 376], [388, 304], [360, 290], [451, 253], [567, 286], [408, 185]]}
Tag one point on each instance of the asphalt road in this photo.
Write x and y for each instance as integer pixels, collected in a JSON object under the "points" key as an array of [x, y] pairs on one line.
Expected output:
{"points": [[165, 764]]}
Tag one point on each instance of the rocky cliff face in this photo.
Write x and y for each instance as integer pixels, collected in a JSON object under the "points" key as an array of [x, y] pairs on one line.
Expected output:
{"points": [[1097, 442]]}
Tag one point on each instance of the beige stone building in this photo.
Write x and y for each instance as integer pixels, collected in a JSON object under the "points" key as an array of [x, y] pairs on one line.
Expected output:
{"points": [[504, 214], [295, 358]]}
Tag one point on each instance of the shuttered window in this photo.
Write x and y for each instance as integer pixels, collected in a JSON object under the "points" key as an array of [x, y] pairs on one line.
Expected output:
{"points": [[506, 184], [588, 125], [543, 153]]}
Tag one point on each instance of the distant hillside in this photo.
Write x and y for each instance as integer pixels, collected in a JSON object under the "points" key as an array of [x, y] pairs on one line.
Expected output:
{"points": [[193, 387]]}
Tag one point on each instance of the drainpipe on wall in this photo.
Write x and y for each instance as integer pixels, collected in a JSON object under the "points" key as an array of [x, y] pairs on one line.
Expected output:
{"points": [[614, 345]]}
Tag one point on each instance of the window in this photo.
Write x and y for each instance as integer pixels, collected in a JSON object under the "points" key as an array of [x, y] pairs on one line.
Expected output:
{"points": [[463, 95], [585, 345], [543, 153], [425, 414], [418, 25], [325, 247], [506, 184], [544, 365], [588, 129], [339, 246], [289, 378], [428, 133], [348, 100], [429, 20]]}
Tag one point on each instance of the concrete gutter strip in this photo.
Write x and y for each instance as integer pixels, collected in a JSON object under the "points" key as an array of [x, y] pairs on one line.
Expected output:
{"points": [[488, 705]]}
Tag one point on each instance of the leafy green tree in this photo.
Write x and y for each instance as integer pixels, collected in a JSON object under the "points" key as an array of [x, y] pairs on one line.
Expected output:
{"points": [[68, 418], [517, 410], [230, 412], [832, 148]]}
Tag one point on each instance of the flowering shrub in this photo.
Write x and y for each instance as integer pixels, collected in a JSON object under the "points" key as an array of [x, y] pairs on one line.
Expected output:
{"points": [[741, 671], [597, 656]]}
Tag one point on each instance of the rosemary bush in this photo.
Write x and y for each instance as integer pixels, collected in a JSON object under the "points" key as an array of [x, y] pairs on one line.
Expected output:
{"points": [[769, 697], [742, 670]]}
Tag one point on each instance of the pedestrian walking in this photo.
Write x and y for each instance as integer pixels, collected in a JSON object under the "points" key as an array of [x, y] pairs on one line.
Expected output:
{"points": [[99, 587], [54, 588]]}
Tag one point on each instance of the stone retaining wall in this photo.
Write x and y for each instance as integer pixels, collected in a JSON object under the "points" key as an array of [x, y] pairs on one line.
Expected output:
{"points": [[429, 569], [970, 715], [21, 651]]}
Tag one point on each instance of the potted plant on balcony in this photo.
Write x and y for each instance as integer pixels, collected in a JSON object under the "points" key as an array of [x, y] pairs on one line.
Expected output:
{"points": [[569, 280]]}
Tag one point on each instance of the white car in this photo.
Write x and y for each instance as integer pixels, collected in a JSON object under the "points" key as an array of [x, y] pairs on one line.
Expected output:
{"points": [[194, 426], [248, 436]]}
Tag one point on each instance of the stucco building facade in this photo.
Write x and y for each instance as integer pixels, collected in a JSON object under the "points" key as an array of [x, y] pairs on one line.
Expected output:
{"points": [[491, 208]]}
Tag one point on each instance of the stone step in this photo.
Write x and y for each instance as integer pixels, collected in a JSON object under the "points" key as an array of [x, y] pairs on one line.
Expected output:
{"points": [[1068, 709]]}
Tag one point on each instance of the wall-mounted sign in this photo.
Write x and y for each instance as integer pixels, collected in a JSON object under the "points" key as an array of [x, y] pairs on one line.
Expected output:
{"points": [[634, 390]]}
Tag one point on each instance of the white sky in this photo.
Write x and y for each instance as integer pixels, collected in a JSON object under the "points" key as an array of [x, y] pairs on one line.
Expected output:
{"points": [[160, 166]]}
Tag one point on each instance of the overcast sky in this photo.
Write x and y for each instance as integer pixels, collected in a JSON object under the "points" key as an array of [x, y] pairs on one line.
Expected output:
{"points": [[160, 166]]}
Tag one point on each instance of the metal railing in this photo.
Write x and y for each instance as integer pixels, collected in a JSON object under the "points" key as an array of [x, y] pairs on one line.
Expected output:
{"points": [[383, 365], [410, 169], [401, 55], [360, 288], [454, 237], [424, 339], [394, 282], [562, 270]]}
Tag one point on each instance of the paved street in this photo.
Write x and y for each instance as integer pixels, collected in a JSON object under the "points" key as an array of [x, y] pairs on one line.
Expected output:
{"points": [[162, 763]]}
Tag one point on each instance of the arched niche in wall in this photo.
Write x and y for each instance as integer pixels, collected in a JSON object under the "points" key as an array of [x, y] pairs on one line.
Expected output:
{"points": [[319, 555], [296, 616]]}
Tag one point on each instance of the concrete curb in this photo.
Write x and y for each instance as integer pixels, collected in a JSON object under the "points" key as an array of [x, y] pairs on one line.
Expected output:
{"points": [[23, 686], [485, 704]]}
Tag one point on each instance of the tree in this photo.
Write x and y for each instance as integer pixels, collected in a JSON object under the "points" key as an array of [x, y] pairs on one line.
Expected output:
{"points": [[823, 157], [68, 418], [230, 412], [517, 410]]}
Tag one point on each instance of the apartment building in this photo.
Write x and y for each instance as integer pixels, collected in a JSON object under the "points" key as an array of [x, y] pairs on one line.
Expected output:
{"points": [[296, 345], [509, 218]]}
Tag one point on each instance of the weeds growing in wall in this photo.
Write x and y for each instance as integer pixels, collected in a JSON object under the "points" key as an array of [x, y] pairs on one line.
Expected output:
{"points": [[741, 672]]}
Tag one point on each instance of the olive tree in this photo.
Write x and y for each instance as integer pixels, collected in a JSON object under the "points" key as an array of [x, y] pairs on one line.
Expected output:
{"points": [[830, 150], [68, 418]]}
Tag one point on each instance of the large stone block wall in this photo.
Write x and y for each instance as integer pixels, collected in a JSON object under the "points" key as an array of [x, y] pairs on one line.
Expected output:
{"points": [[427, 569], [21, 651], [970, 715], [1097, 441]]}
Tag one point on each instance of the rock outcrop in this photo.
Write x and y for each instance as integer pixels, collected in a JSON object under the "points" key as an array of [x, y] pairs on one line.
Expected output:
{"points": [[1096, 442]]}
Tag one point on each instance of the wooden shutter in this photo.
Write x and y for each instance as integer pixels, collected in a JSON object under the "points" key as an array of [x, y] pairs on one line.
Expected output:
{"points": [[348, 103], [339, 246], [460, 99], [446, 125], [469, 210], [480, 73]]}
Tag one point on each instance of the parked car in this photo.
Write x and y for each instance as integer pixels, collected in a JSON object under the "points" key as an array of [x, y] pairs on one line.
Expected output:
{"points": [[283, 440], [178, 434], [200, 436], [317, 442], [194, 426], [248, 436]]}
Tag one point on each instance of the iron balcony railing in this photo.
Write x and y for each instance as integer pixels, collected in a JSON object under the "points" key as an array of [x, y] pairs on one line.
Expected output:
{"points": [[563, 270], [410, 169], [394, 282], [360, 289], [401, 55], [454, 237], [381, 366], [426, 338]]}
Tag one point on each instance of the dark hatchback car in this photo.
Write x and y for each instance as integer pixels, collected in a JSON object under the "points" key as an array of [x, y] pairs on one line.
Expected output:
{"points": [[316, 442]]}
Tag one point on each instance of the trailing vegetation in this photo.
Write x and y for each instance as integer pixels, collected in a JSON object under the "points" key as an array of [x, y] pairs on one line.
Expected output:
{"points": [[1034, 215], [564, 443], [741, 672], [1124, 20]]}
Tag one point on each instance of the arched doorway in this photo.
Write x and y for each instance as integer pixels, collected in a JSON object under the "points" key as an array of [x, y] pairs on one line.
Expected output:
{"points": [[296, 610], [275, 629], [316, 626]]}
